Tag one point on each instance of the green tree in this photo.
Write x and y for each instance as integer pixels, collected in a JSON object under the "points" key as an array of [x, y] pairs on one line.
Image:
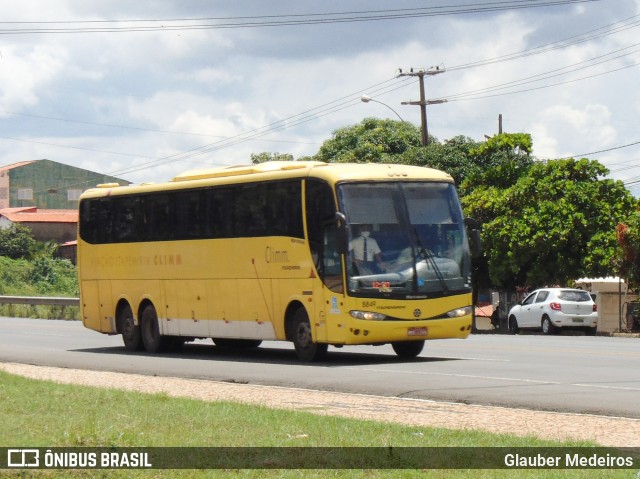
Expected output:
{"points": [[17, 242], [499, 162], [268, 156], [628, 236], [370, 141], [373, 140], [453, 156], [555, 223]]}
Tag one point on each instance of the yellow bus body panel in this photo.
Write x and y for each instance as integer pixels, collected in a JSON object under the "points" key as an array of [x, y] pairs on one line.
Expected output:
{"points": [[242, 287]]}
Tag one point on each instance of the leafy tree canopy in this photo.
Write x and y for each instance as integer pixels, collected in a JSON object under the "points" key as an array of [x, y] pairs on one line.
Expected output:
{"points": [[267, 156], [628, 236], [373, 140], [17, 242], [554, 224], [370, 141], [499, 161]]}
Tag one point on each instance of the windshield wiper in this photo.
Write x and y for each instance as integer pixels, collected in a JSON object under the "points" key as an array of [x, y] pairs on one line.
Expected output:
{"points": [[429, 257]]}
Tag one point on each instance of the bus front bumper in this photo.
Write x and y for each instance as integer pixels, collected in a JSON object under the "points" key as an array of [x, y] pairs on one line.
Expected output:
{"points": [[373, 332]]}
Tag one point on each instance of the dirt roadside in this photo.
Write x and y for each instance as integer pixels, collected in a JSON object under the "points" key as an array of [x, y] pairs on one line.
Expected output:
{"points": [[604, 430]]}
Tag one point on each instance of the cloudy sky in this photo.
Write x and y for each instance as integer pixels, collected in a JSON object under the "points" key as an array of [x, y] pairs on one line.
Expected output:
{"points": [[145, 90]]}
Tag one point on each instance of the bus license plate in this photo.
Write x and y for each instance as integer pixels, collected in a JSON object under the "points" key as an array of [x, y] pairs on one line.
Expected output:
{"points": [[417, 332]]}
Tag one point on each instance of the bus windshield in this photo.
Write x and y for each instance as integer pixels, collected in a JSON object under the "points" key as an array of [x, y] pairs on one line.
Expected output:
{"points": [[405, 239]]}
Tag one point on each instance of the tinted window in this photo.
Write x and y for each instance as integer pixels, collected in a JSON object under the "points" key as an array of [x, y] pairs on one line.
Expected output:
{"points": [[321, 229], [577, 296], [247, 210], [320, 209], [542, 296]]}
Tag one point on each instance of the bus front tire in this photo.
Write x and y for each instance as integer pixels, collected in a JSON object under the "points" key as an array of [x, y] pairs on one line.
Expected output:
{"points": [[153, 341], [306, 348], [408, 349], [130, 330]]}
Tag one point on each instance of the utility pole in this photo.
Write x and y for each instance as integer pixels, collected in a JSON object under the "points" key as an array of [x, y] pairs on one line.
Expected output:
{"points": [[423, 101]]}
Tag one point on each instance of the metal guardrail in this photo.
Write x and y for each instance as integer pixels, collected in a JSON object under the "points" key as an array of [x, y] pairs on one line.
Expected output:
{"points": [[41, 301]]}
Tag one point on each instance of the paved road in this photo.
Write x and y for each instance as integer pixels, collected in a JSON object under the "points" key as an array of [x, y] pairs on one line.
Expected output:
{"points": [[599, 375]]}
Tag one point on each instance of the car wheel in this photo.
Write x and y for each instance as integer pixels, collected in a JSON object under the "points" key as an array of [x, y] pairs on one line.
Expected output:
{"points": [[547, 326], [512, 326]]}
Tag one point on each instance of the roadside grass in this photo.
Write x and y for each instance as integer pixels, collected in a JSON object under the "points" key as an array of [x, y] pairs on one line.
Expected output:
{"points": [[71, 313], [41, 276], [45, 414]]}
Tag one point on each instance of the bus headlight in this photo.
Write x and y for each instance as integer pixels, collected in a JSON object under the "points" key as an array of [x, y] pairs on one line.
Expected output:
{"points": [[367, 315], [460, 312]]}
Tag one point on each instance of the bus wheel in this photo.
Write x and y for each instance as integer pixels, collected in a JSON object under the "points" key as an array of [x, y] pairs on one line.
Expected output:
{"points": [[237, 343], [306, 349], [130, 331], [408, 349], [151, 337]]}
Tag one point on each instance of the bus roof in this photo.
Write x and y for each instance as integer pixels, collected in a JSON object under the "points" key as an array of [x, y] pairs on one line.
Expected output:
{"points": [[331, 172]]}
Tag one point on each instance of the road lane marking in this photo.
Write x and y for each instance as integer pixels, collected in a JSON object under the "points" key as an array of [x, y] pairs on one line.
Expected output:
{"points": [[606, 387], [496, 378]]}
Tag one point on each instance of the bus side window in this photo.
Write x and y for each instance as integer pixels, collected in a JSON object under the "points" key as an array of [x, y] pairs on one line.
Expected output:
{"points": [[220, 213], [322, 232], [189, 216], [331, 260], [249, 208], [125, 219], [284, 209], [159, 217]]}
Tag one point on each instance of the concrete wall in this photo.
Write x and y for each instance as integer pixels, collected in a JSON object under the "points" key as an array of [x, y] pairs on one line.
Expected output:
{"points": [[58, 232], [609, 310], [610, 294]]}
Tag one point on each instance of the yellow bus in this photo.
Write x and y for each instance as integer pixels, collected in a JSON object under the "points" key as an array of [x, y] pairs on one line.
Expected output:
{"points": [[276, 251]]}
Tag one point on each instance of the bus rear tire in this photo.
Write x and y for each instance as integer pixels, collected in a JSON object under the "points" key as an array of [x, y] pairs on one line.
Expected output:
{"points": [[408, 349], [130, 330], [306, 348], [153, 341]]}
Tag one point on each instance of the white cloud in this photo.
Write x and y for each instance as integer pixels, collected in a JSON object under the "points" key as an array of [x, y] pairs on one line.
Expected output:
{"points": [[227, 82], [588, 129], [26, 72]]}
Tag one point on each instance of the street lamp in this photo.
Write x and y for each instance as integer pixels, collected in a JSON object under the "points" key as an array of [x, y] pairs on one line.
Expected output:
{"points": [[367, 99]]}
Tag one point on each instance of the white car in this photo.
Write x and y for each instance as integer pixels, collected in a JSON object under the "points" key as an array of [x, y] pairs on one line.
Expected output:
{"points": [[549, 309]]}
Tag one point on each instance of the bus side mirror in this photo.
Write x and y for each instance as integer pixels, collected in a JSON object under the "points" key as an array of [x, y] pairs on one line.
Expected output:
{"points": [[342, 233], [473, 230]]}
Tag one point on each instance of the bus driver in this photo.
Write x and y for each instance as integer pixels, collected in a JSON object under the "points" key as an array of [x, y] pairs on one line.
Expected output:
{"points": [[366, 254]]}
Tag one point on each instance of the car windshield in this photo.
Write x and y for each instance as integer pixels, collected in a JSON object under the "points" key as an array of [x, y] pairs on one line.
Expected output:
{"points": [[406, 238], [575, 296]]}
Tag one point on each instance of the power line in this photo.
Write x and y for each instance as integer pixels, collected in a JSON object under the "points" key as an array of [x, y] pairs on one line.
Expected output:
{"points": [[298, 119], [604, 150], [609, 29], [548, 86], [543, 76], [279, 20], [342, 103], [127, 127]]}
